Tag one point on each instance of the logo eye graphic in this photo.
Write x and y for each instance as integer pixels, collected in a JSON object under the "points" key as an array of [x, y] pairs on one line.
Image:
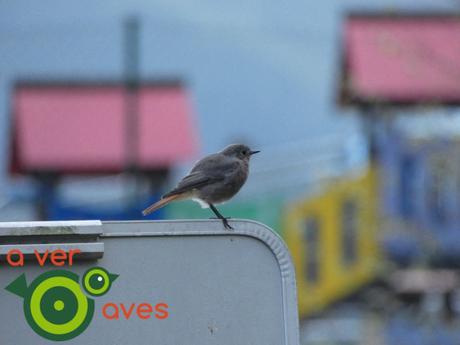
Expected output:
{"points": [[55, 306], [97, 281]]}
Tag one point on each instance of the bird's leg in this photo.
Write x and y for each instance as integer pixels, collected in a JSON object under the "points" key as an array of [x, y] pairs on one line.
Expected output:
{"points": [[221, 217]]}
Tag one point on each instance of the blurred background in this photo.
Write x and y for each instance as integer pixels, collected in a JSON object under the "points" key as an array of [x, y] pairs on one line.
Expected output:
{"points": [[354, 105]]}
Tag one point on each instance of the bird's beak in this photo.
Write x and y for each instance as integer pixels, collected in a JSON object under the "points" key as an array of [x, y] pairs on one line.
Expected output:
{"points": [[112, 277], [253, 152]]}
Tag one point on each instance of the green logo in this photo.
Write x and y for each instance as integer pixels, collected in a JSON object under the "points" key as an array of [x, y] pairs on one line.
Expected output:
{"points": [[54, 304]]}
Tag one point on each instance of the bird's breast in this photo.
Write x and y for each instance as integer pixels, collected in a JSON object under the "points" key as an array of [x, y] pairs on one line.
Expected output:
{"points": [[225, 189]]}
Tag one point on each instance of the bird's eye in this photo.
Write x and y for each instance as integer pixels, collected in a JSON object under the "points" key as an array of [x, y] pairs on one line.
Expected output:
{"points": [[96, 281], [244, 152]]}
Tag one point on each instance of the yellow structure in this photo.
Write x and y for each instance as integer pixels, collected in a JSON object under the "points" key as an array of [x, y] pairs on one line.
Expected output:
{"points": [[332, 239]]}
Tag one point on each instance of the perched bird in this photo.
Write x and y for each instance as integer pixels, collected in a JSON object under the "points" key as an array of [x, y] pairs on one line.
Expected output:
{"points": [[213, 180]]}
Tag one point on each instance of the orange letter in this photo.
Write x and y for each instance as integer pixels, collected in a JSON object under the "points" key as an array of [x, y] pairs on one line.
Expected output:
{"points": [[128, 312], [144, 308], [57, 255], [19, 262], [41, 260], [161, 313], [72, 252], [113, 316]]}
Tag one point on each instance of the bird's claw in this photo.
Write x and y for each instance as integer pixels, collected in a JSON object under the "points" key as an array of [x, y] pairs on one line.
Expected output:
{"points": [[225, 222], [226, 225]]}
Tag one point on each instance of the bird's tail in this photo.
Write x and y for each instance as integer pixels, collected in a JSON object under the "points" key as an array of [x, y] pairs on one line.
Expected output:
{"points": [[160, 204]]}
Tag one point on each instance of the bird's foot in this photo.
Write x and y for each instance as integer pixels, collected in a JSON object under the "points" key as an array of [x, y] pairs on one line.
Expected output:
{"points": [[226, 225], [225, 222]]}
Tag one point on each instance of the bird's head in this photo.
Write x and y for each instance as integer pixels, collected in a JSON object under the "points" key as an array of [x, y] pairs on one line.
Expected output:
{"points": [[239, 151]]}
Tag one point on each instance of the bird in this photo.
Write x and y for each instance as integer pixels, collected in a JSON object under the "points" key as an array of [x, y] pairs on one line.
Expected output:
{"points": [[213, 180]]}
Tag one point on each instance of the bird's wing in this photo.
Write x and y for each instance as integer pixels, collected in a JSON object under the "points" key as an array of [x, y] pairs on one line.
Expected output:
{"points": [[190, 182], [206, 171]]}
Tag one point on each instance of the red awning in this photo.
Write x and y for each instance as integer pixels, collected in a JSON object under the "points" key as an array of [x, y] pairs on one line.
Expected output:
{"points": [[83, 128], [402, 59]]}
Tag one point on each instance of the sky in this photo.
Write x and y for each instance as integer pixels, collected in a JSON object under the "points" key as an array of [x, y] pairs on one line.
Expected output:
{"points": [[260, 71]]}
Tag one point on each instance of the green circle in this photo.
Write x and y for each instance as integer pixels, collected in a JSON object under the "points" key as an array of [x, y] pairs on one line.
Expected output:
{"points": [[96, 281], [59, 305], [42, 321], [34, 310]]}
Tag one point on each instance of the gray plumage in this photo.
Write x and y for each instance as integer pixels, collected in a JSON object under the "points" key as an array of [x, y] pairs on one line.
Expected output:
{"points": [[214, 179]]}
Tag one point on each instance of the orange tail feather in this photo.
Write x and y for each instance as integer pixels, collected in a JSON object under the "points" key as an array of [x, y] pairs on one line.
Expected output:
{"points": [[159, 204]]}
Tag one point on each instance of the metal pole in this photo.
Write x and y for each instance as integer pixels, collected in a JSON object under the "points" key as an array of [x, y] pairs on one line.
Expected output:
{"points": [[131, 65], [131, 71]]}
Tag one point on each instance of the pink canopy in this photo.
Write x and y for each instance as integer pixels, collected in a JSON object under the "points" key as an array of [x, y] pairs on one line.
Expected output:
{"points": [[403, 59], [82, 128]]}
